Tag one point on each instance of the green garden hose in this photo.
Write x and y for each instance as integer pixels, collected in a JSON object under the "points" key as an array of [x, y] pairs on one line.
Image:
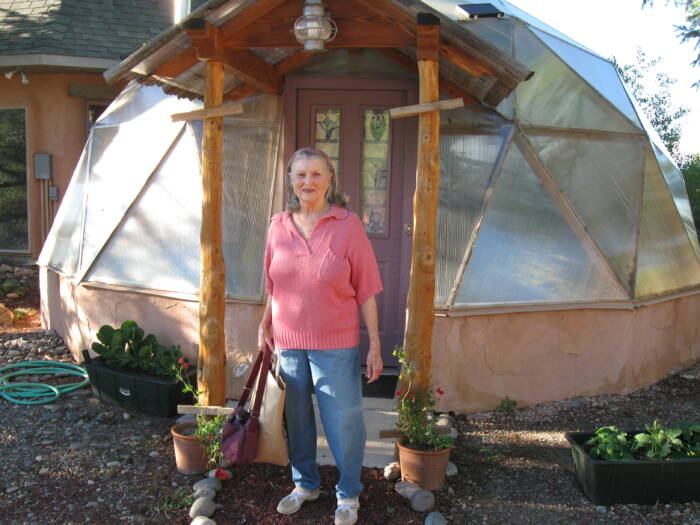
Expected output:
{"points": [[38, 393]]}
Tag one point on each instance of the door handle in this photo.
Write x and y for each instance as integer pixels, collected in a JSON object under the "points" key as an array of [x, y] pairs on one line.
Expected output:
{"points": [[408, 228]]}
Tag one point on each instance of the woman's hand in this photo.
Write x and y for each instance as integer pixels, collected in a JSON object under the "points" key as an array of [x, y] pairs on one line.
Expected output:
{"points": [[375, 365]]}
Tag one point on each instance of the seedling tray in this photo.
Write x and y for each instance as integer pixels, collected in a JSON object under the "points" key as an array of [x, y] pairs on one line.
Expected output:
{"points": [[642, 482], [135, 390]]}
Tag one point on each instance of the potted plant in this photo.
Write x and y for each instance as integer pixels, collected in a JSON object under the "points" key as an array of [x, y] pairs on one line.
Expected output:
{"points": [[423, 452], [659, 465], [197, 443], [134, 371]]}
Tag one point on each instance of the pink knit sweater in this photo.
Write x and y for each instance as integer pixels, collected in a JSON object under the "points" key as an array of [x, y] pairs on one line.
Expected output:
{"points": [[317, 287]]}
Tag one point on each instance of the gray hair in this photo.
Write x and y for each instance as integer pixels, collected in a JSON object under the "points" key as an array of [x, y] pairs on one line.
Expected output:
{"points": [[333, 196]]}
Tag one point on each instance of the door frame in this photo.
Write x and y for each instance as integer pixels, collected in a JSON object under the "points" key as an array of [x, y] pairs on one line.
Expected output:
{"points": [[289, 125]]}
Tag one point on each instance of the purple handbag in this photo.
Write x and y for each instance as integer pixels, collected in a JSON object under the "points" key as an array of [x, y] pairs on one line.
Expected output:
{"points": [[239, 435]]}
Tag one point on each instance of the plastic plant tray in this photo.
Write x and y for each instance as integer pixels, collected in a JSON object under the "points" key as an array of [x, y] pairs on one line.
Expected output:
{"points": [[642, 482]]}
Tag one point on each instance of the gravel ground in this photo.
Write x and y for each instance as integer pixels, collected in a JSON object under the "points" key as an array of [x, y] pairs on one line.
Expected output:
{"points": [[78, 461]]}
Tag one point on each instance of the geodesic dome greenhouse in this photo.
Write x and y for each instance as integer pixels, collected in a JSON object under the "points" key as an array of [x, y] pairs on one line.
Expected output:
{"points": [[564, 231]]}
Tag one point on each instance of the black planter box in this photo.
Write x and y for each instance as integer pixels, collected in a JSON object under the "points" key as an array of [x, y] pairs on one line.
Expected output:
{"points": [[642, 482], [136, 390]]}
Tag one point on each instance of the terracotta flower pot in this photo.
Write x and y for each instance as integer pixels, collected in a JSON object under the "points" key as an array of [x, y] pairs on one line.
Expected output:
{"points": [[190, 457], [425, 468]]}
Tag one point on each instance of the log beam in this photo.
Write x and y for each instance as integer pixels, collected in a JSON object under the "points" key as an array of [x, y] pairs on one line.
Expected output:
{"points": [[198, 114], [421, 290], [211, 368], [253, 70], [417, 109]]}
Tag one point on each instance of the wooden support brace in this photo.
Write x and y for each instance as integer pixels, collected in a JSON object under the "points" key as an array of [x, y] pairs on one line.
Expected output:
{"points": [[212, 356], [198, 114], [204, 410], [417, 109], [420, 315]]}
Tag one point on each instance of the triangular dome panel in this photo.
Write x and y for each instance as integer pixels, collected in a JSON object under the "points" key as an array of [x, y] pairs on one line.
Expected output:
{"points": [[556, 96], [602, 180], [156, 246], [467, 164], [666, 260], [676, 184], [526, 252], [600, 74]]}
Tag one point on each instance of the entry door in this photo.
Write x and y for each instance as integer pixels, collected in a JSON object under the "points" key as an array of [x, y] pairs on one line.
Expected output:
{"points": [[368, 151]]}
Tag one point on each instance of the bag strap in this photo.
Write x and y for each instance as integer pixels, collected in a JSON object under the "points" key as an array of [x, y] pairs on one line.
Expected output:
{"points": [[251, 378], [262, 381]]}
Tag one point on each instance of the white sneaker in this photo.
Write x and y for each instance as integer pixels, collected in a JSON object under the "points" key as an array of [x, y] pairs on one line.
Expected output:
{"points": [[292, 502], [346, 513]]}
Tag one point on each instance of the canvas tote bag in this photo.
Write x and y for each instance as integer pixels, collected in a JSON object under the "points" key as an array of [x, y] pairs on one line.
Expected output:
{"points": [[272, 434]]}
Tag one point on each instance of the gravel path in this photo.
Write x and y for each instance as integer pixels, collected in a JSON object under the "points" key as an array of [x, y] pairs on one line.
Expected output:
{"points": [[77, 461]]}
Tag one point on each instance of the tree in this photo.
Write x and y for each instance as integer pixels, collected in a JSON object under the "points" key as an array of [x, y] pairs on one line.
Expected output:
{"points": [[663, 116], [690, 31], [691, 173]]}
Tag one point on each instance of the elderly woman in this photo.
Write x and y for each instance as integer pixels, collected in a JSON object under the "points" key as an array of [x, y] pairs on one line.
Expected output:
{"points": [[320, 271]]}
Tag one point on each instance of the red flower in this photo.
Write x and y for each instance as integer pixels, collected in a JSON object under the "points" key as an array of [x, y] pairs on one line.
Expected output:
{"points": [[184, 366], [221, 473], [440, 391], [181, 360], [399, 393]]}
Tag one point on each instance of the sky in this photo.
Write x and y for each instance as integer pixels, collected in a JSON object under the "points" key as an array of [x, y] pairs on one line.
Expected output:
{"points": [[617, 28]]}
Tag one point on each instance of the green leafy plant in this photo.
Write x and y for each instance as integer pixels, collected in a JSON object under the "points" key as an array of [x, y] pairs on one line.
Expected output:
{"points": [[416, 420], [129, 347], [209, 428], [657, 442], [680, 440], [609, 443], [21, 313], [180, 498], [507, 406]]}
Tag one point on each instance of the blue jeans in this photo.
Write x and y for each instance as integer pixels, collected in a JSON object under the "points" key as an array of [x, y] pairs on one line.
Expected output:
{"points": [[335, 377]]}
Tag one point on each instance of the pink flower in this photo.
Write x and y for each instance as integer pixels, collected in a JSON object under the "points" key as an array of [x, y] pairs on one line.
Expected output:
{"points": [[440, 391], [181, 360], [398, 394]]}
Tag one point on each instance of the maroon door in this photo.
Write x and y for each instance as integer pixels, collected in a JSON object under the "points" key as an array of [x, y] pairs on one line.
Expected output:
{"points": [[369, 151]]}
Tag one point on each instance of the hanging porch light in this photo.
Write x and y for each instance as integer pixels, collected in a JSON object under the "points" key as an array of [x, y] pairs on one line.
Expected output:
{"points": [[315, 26]]}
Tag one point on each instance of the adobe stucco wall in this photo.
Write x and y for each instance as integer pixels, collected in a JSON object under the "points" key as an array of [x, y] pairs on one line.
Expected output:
{"points": [[77, 312], [531, 357], [56, 124], [536, 357]]}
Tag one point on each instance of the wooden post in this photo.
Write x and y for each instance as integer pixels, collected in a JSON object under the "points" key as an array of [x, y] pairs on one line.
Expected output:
{"points": [[421, 290], [211, 368]]}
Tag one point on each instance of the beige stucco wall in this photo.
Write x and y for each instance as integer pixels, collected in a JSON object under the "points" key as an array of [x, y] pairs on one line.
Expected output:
{"points": [[532, 357], [56, 124], [535, 357], [77, 312]]}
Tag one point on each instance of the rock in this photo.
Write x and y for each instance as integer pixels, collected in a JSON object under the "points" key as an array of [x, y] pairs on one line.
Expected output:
{"points": [[6, 315], [435, 518], [451, 469], [126, 416], [205, 493], [201, 520], [43, 471], [154, 454], [601, 509], [392, 471], [6, 268], [113, 464], [12, 489], [13, 295], [422, 500], [91, 504], [208, 483], [406, 489], [202, 507]]}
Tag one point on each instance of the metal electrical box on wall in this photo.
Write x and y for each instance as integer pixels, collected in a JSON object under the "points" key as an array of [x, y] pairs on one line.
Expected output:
{"points": [[42, 166]]}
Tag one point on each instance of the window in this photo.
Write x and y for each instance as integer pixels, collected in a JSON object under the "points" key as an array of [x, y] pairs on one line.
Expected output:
{"points": [[14, 229]]}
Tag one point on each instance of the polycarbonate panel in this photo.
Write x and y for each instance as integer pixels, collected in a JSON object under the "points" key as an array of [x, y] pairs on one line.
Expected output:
{"points": [[526, 252], [666, 260], [473, 115], [448, 8], [249, 161], [676, 184], [467, 164], [602, 180], [498, 32], [556, 96], [144, 103], [61, 249], [121, 160], [157, 245], [599, 73]]}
